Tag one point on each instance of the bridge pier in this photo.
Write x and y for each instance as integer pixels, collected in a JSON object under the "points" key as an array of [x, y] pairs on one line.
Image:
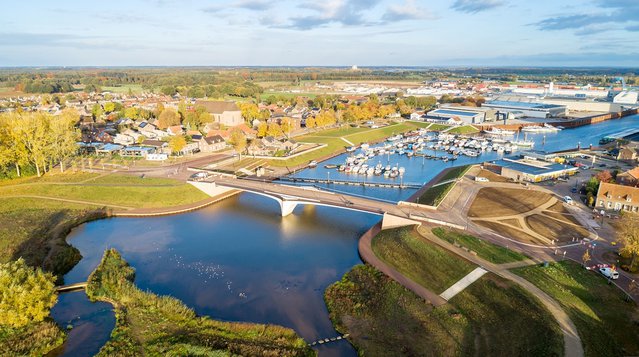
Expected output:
{"points": [[287, 207]]}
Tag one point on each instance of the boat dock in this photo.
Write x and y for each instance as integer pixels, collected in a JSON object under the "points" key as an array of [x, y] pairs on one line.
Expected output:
{"points": [[351, 183]]}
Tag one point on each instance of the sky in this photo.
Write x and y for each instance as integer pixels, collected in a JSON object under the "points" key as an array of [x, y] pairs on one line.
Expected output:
{"points": [[569, 33]]}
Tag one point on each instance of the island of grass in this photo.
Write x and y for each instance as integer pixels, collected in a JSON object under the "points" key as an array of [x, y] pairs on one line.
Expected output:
{"points": [[436, 193], [607, 322], [152, 325], [488, 251], [492, 316]]}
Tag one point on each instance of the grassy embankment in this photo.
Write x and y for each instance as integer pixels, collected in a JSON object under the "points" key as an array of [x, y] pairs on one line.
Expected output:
{"points": [[485, 250], [491, 317], [607, 324], [35, 227], [434, 195], [335, 143], [148, 324], [464, 130]]}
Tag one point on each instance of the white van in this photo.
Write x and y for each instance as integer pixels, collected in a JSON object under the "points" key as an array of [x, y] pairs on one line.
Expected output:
{"points": [[481, 179], [609, 273]]}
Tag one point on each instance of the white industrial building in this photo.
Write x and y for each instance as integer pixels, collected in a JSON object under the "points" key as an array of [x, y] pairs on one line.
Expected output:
{"points": [[469, 115], [529, 109]]}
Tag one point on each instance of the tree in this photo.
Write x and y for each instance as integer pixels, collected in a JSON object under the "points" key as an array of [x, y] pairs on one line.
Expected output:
{"points": [[628, 237], [64, 136], [96, 111], [274, 130], [26, 294], [250, 111], [586, 257], [286, 125], [131, 113], [167, 118], [238, 141], [262, 130], [109, 107], [177, 143]]}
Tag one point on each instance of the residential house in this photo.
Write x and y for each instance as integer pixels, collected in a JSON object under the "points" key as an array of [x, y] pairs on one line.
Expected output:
{"points": [[627, 154], [617, 197], [175, 130], [159, 145], [224, 112], [210, 143], [270, 146], [123, 139], [629, 178]]}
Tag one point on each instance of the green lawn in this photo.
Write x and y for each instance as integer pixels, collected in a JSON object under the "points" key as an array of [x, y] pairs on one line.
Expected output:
{"points": [[607, 324], [431, 266], [492, 317], [455, 172], [464, 130], [119, 190], [336, 133], [433, 196], [485, 250], [135, 88], [438, 127], [287, 95], [152, 325]]}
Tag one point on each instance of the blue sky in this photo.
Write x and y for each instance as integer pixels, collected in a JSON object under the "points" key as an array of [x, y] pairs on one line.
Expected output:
{"points": [[326, 32]]}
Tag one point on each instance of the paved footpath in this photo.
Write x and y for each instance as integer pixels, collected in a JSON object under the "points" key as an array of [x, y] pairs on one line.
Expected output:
{"points": [[366, 252], [463, 283], [572, 342]]}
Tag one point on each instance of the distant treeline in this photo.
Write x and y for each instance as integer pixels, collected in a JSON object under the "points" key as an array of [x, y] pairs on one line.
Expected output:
{"points": [[243, 81]]}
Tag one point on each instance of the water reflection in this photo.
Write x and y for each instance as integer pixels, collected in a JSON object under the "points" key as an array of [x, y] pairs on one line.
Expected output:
{"points": [[238, 260]]}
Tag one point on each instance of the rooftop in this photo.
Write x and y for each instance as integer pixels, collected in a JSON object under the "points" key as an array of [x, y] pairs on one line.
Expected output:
{"points": [[525, 105], [536, 168]]}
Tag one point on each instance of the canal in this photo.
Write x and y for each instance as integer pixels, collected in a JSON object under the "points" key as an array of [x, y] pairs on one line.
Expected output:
{"points": [[239, 260]]}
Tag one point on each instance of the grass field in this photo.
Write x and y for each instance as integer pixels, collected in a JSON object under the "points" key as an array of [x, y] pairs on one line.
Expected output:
{"points": [[117, 190], [431, 266], [152, 325], [35, 228], [438, 127], [135, 88], [496, 202], [434, 195], [491, 176], [287, 95], [607, 324], [492, 317], [485, 250], [464, 130]]}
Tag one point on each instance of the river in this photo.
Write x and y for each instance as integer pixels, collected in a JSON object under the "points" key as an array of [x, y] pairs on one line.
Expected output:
{"points": [[239, 260]]}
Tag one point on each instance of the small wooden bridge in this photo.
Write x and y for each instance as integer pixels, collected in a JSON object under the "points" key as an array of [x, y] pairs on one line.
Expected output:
{"points": [[328, 340], [71, 287]]}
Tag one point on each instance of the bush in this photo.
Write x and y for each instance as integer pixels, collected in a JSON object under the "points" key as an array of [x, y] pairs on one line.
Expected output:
{"points": [[26, 294]]}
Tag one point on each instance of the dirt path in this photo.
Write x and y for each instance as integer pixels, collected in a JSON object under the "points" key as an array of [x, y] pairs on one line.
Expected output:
{"points": [[572, 341]]}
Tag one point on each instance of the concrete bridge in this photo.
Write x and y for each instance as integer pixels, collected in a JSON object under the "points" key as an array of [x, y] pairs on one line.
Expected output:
{"points": [[289, 197]]}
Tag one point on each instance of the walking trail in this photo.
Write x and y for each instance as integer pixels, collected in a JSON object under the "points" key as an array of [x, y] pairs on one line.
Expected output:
{"points": [[572, 342]]}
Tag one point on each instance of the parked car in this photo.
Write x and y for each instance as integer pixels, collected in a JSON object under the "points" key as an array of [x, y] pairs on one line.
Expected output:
{"points": [[573, 190], [609, 273], [481, 179], [568, 200], [199, 176]]}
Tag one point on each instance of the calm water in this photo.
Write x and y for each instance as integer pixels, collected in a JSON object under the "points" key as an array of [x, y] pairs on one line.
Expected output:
{"points": [[240, 260], [420, 170]]}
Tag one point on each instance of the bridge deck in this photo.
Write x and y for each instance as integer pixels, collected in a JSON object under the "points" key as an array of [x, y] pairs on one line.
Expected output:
{"points": [[351, 182]]}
